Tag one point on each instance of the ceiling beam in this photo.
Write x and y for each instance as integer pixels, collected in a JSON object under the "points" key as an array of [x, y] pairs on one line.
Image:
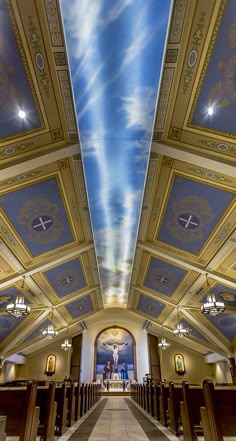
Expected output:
{"points": [[40, 161], [31, 326], [52, 261], [182, 155], [207, 333], [153, 249]]}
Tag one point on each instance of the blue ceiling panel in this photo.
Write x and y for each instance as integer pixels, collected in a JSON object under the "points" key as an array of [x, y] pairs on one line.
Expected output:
{"points": [[149, 306], [66, 278], [163, 277], [193, 211], [80, 307], [8, 323], [225, 323], [218, 86], [16, 86], [194, 331], [225, 294], [39, 216], [37, 332], [8, 295]]}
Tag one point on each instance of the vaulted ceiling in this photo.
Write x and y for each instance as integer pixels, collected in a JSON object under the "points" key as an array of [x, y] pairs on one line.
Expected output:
{"points": [[84, 249]]}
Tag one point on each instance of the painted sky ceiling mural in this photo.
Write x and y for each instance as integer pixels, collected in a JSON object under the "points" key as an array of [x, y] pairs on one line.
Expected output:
{"points": [[115, 51]]}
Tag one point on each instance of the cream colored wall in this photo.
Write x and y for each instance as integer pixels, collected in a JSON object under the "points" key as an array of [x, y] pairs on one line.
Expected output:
{"points": [[35, 365], [222, 372], [87, 359], [196, 368], [8, 372]]}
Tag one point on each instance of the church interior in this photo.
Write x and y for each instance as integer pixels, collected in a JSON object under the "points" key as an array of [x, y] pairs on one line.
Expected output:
{"points": [[117, 194]]}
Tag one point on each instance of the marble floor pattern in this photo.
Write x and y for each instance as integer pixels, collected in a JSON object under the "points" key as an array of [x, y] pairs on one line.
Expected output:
{"points": [[117, 419]]}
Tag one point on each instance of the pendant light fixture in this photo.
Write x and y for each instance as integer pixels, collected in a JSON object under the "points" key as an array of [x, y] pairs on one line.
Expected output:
{"points": [[212, 306], [18, 308], [66, 346], [50, 331], [180, 330], [163, 343]]}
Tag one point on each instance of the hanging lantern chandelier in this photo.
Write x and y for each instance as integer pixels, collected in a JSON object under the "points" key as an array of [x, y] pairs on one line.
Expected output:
{"points": [[66, 346], [50, 331], [180, 330], [212, 306], [18, 308], [163, 343]]}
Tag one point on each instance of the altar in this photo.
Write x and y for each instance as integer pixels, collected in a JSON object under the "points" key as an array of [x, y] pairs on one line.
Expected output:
{"points": [[116, 384]]}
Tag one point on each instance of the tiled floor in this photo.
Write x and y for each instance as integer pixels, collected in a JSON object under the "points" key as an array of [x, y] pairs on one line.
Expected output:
{"points": [[117, 419]]}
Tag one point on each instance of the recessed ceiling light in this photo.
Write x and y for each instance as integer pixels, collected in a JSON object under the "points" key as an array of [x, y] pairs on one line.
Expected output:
{"points": [[210, 110], [22, 114]]}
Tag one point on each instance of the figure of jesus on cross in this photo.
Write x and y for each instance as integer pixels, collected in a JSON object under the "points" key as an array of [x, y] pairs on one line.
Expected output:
{"points": [[115, 347]]}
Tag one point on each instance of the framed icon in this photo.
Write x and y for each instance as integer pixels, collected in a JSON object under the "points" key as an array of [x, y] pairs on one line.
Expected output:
{"points": [[179, 364], [50, 368]]}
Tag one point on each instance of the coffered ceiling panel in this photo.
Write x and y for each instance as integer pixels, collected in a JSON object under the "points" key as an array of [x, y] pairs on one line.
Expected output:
{"points": [[196, 105], [80, 307], [34, 79], [67, 278], [149, 306], [163, 277]]}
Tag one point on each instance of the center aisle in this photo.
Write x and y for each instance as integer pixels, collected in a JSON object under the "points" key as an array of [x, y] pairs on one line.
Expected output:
{"points": [[118, 419]]}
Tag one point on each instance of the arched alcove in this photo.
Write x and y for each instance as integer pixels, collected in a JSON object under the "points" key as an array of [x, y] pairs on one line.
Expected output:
{"points": [[115, 346]]}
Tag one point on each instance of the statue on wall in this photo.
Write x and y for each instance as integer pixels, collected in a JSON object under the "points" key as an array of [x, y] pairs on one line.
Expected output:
{"points": [[107, 371], [179, 364], [50, 365], [115, 347]]}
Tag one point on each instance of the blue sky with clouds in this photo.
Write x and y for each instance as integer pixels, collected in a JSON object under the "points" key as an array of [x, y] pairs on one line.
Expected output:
{"points": [[115, 50]]}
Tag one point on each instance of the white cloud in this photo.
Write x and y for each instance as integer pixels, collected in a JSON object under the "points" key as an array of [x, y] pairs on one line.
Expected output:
{"points": [[90, 148], [137, 45], [82, 18], [117, 10], [131, 199], [92, 78], [139, 108]]}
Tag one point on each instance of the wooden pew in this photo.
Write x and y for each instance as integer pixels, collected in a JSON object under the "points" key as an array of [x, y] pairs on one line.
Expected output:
{"points": [[145, 398], [174, 400], [219, 413], [18, 404], [62, 406], [70, 393], [82, 399], [48, 409], [142, 401], [190, 411], [164, 395], [157, 391], [85, 398], [3, 420], [77, 402], [152, 403]]}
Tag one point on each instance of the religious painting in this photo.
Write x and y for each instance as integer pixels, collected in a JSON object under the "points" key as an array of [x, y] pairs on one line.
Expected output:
{"points": [[50, 365], [115, 355], [179, 364]]}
